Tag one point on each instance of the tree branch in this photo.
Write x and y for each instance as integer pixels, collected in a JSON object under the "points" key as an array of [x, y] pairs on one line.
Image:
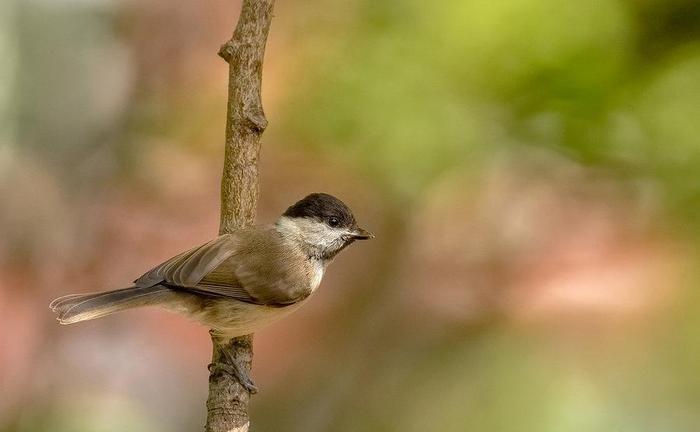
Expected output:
{"points": [[227, 404]]}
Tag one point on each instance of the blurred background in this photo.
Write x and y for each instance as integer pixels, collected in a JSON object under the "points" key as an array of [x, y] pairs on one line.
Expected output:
{"points": [[531, 169]]}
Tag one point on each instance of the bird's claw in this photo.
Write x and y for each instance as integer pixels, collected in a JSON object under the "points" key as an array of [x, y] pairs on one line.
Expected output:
{"points": [[236, 372]]}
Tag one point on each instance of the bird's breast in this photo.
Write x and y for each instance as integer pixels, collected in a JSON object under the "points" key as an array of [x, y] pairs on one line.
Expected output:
{"points": [[317, 270]]}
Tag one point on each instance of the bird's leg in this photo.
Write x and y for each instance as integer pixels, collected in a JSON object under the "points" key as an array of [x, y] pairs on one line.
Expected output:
{"points": [[235, 370], [233, 366]]}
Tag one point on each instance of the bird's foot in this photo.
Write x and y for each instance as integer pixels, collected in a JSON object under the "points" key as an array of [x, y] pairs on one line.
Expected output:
{"points": [[237, 371]]}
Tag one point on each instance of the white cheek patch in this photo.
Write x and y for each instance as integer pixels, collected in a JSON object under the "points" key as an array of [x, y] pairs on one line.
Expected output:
{"points": [[318, 233], [314, 234]]}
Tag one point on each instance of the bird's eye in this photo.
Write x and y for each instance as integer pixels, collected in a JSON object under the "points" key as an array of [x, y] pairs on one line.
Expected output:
{"points": [[333, 221]]}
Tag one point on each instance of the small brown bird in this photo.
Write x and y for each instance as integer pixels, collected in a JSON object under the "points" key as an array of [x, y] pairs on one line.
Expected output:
{"points": [[238, 282]]}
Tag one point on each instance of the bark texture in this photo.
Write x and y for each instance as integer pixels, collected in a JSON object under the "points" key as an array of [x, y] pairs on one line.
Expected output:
{"points": [[227, 404]]}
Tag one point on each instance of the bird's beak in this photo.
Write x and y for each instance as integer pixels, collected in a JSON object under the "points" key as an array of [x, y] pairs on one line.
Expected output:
{"points": [[361, 234]]}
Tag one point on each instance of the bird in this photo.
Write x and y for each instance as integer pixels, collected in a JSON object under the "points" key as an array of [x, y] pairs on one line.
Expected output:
{"points": [[239, 282]]}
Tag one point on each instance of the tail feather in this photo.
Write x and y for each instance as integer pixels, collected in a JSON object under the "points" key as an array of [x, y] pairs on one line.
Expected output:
{"points": [[74, 308]]}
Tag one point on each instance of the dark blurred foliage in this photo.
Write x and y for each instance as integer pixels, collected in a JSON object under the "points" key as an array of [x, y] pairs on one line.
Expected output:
{"points": [[530, 168]]}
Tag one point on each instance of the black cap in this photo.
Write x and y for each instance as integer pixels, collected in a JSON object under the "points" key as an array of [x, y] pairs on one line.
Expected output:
{"points": [[324, 208]]}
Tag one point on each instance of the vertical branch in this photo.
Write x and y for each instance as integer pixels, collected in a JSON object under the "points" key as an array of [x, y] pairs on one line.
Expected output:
{"points": [[227, 404], [245, 119]]}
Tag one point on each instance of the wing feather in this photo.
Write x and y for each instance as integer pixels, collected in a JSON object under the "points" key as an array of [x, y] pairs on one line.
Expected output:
{"points": [[257, 269], [187, 269]]}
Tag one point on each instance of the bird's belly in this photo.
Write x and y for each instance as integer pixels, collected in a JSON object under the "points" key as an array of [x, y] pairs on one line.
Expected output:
{"points": [[234, 318]]}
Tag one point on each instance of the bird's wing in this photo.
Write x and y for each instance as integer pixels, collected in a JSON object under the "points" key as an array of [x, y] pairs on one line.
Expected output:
{"points": [[265, 271], [187, 269], [251, 270]]}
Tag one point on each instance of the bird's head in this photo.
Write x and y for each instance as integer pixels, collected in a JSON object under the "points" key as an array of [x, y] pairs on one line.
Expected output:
{"points": [[322, 224]]}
